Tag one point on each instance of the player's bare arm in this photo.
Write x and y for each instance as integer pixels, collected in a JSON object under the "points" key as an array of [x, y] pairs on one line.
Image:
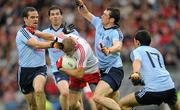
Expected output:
{"points": [[77, 73], [136, 65], [117, 46], [44, 35], [37, 44]]}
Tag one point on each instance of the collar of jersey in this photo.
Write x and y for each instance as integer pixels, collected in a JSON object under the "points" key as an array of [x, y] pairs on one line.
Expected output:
{"points": [[51, 28], [113, 27]]}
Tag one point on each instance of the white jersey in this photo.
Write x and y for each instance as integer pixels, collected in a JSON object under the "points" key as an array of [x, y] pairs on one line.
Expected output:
{"points": [[153, 70], [84, 55]]}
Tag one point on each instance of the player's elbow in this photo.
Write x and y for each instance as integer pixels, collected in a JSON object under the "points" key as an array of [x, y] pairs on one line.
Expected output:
{"points": [[36, 46]]}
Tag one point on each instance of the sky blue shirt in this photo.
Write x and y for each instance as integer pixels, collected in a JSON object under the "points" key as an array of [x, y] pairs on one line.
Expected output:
{"points": [[54, 54], [28, 56], [153, 70], [107, 37]]}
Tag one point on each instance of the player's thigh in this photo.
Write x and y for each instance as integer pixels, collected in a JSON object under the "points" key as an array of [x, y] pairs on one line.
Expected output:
{"points": [[102, 89], [63, 86], [74, 97], [39, 83], [129, 100]]}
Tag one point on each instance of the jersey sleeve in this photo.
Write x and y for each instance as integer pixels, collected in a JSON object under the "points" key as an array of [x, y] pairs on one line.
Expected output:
{"points": [[96, 21], [82, 60], [117, 35], [135, 55], [24, 36]]}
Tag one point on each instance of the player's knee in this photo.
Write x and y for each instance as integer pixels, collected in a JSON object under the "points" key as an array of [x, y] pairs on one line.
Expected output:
{"points": [[39, 93], [65, 93], [38, 89]]}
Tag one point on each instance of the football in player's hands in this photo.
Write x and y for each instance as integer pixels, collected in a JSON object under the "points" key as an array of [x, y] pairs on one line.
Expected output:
{"points": [[66, 62]]}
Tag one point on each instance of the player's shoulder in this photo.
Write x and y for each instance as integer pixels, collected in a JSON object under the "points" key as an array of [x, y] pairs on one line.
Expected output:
{"points": [[22, 32], [140, 49], [46, 29]]}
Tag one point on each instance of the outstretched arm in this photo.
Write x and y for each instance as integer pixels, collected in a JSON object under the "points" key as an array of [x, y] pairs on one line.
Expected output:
{"points": [[82, 9], [44, 35], [136, 65], [34, 43]]}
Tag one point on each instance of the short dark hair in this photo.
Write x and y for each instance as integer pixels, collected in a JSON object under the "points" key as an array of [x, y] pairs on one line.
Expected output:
{"points": [[143, 37], [114, 13], [26, 10], [54, 7]]}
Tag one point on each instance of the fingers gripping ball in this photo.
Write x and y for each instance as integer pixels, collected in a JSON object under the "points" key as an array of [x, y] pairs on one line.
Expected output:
{"points": [[66, 62]]}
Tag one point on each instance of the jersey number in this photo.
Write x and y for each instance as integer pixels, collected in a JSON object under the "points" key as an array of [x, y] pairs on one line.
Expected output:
{"points": [[150, 54]]}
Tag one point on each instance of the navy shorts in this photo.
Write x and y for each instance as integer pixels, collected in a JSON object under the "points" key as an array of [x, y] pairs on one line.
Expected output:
{"points": [[147, 98], [114, 77], [59, 75], [26, 76]]}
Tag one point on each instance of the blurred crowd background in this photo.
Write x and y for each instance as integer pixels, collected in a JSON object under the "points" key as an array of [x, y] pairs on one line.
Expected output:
{"points": [[160, 17]]}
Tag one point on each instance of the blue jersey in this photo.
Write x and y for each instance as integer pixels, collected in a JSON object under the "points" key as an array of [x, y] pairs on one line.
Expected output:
{"points": [[106, 37], [153, 70], [28, 56], [54, 54]]}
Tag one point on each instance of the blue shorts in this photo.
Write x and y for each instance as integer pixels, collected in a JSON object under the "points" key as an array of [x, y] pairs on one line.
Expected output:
{"points": [[26, 76], [59, 75], [147, 98], [114, 77]]}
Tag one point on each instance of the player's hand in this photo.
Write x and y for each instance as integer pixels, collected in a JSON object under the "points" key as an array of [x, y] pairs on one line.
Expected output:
{"points": [[55, 43], [104, 49], [59, 63], [30, 29], [68, 29], [134, 76], [79, 3], [135, 79]]}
